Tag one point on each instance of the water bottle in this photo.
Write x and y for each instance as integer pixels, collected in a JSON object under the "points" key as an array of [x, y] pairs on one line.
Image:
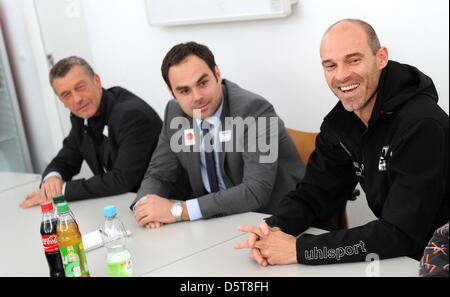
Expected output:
{"points": [[114, 238]]}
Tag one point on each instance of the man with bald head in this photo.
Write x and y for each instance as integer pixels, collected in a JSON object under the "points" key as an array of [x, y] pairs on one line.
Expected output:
{"points": [[387, 133]]}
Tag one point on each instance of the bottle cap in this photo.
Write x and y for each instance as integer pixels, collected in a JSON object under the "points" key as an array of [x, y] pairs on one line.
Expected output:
{"points": [[63, 207], [58, 199], [47, 206], [109, 211]]}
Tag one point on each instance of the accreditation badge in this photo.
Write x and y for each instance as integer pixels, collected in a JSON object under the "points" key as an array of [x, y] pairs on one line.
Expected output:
{"points": [[189, 137]]}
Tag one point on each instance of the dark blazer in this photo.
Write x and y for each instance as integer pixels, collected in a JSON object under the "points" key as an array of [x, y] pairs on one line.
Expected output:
{"points": [[118, 155], [252, 185]]}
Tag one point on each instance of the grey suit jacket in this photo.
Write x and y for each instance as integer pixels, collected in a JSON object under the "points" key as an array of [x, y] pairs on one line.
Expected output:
{"points": [[253, 184]]}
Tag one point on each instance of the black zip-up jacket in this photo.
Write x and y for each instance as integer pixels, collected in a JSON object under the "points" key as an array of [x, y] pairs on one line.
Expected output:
{"points": [[400, 160]]}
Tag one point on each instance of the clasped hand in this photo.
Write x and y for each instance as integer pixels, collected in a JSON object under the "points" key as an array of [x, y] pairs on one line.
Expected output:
{"points": [[268, 245], [153, 212]]}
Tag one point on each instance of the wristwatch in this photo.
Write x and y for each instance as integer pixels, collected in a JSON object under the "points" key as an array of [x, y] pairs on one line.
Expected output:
{"points": [[176, 210]]}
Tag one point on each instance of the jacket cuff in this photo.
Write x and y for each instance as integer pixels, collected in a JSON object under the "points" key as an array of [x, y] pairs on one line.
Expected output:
{"points": [[300, 253]]}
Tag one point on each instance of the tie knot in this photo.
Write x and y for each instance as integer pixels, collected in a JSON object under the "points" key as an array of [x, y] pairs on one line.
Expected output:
{"points": [[206, 126]]}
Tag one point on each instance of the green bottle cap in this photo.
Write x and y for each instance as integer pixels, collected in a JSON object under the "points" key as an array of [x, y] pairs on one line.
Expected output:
{"points": [[63, 207], [58, 199]]}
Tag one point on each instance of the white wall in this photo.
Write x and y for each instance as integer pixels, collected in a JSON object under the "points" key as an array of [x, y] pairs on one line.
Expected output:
{"points": [[278, 59]]}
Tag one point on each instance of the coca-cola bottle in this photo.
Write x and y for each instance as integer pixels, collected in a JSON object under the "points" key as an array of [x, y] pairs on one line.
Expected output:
{"points": [[50, 240]]}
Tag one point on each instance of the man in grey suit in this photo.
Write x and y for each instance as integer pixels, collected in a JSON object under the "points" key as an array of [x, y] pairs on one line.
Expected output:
{"points": [[230, 142]]}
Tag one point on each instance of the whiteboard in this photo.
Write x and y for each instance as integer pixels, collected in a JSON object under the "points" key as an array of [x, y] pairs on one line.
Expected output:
{"points": [[183, 12]]}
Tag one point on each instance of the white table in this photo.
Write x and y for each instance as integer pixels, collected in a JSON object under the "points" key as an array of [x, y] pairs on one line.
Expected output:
{"points": [[9, 180], [224, 261], [199, 248], [150, 248]]}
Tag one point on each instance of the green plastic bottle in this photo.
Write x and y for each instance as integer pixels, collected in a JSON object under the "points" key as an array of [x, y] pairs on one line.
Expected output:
{"points": [[70, 244]]}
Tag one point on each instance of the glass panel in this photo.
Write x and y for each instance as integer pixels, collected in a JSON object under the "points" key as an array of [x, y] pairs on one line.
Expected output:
{"points": [[12, 143]]}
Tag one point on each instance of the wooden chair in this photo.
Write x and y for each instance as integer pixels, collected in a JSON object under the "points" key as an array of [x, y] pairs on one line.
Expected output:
{"points": [[305, 142]]}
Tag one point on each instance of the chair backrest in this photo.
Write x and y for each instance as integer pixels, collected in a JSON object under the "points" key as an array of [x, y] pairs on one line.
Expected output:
{"points": [[305, 142]]}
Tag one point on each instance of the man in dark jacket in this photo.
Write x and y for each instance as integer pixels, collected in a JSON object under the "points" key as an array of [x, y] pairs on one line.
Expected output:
{"points": [[113, 130], [387, 133]]}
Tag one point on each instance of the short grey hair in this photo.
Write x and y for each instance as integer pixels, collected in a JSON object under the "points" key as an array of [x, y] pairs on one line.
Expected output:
{"points": [[63, 66], [372, 37]]}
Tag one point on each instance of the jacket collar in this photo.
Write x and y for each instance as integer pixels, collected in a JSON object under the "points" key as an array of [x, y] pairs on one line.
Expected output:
{"points": [[394, 89]]}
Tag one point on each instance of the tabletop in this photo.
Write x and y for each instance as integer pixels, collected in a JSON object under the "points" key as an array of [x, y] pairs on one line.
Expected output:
{"points": [[223, 260], [195, 249], [150, 248], [9, 180]]}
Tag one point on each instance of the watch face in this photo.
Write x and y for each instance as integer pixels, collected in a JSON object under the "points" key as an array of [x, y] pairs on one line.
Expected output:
{"points": [[176, 211]]}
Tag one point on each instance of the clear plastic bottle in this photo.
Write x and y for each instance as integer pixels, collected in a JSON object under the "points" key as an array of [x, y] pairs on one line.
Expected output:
{"points": [[70, 243], [114, 237]]}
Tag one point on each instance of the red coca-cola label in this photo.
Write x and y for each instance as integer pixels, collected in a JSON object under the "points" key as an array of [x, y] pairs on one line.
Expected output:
{"points": [[50, 243]]}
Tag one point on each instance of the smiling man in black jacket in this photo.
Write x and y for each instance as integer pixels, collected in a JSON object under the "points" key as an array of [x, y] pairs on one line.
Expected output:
{"points": [[387, 133], [113, 130]]}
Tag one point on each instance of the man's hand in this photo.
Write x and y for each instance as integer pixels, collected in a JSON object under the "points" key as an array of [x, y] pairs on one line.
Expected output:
{"points": [[255, 234], [49, 188], [278, 248], [34, 198], [154, 212], [254, 252], [52, 186], [153, 225], [269, 245]]}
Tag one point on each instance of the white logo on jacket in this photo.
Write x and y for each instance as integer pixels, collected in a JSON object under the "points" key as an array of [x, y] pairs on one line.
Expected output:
{"points": [[106, 131], [382, 163]]}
